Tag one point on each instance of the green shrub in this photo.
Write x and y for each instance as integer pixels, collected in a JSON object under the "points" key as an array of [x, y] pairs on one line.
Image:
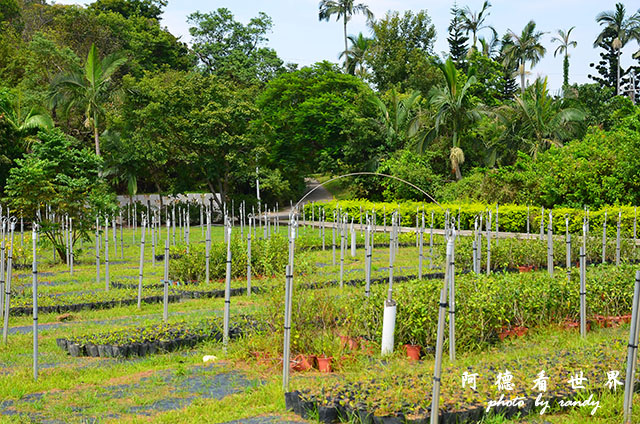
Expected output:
{"points": [[511, 218], [268, 257]]}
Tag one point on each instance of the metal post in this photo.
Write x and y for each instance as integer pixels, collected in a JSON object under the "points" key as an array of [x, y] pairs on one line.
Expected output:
{"points": [[165, 281], [420, 247], [632, 353], [34, 232], [208, 247], [452, 301], [333, 237], [431, 244], [288, 300], [618, 239], [97, 250], [227, 288], [550, 245], [542, 224], [367, 261], [437, 370], [7, 299], [604, 237], [569, 258], [342, 247], [140, 270], [107, 280], [528, 222], [583, 293], [489, 243], [287, 329], [249, 259], [497, 228]]}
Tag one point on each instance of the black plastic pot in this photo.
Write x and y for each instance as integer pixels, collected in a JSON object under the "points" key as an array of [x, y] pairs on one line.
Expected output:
{"points": [[92, 350], [62, 343], [308, 408], [75, 349], [327, 414], [135, 349], [291, 401]]}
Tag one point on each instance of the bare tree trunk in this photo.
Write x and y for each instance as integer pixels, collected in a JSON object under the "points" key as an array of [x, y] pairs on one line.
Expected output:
{"points": [[346, 56], [618, 74], [95, 134]]}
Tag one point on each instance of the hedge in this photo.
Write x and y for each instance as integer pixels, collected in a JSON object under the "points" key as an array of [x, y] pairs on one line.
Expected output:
{"points": [[511, 218]]}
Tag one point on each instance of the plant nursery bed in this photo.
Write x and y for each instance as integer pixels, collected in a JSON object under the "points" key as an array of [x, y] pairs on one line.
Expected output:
{"points": [[143, 341], [107, 304], [403, 395]]}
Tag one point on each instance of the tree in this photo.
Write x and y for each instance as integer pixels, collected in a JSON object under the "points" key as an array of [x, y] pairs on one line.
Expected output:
{"points": [[455, 109], [621, 29], [474, 21], [87, 90], [525, 48], [189, 129], [343, 9], [402, 55], [457, 41], [537, 121], [234, 51], [355, 57], [62, 174], [563, 39], [317, 119], [23, 120], [401, 121], [150, 9]]}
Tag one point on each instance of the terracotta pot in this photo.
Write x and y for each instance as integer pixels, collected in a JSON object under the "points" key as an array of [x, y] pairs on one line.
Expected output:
{"points": [[367, 346], [413, 352], [324, 363], [301, 363], [263, 358], [520, 331], [343, 340], [352, 343], [525, 268]]}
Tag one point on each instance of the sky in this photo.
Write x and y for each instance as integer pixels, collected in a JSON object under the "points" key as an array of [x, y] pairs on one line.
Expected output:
{"points": [[299, 37]]}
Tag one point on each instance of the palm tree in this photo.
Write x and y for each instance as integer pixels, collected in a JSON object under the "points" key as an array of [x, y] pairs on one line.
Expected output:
{"points": [[355, 56], [524, 48], [622, 29], [401, 123], [490, 46], [455, 108], [537, 120], [563, 39], [342, 9], [474, 21], [87, 90], [22, 121]]}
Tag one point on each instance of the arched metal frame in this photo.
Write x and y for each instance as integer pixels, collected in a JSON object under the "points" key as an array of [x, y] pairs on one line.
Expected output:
{"points": [[353, 174]]}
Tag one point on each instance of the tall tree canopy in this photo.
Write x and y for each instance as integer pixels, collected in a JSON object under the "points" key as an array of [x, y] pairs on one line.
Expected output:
{"points": [[403, 52], [229, 49], [342, 9], [317, 119], [524, 47]]}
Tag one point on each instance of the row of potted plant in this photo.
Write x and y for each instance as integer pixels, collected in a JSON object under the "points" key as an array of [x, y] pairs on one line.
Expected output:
{"points": [[385, 399], [111, 299], [142, 341]]}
